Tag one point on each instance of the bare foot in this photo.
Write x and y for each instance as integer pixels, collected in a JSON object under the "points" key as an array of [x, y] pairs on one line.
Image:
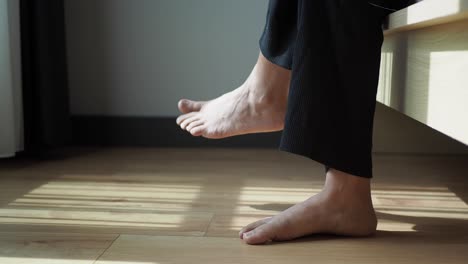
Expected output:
{"points": [[259, 105], [344, 207]]}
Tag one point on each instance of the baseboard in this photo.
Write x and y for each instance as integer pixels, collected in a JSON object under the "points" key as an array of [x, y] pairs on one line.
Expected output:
{"points": [[393, 133], [154, 132]]}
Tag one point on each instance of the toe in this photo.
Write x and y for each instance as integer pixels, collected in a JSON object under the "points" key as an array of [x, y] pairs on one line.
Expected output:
{"points": [[187, 106], [194, 124], [253, 225], [259, 235], [197, 131], [188, 121], [181, 118]]}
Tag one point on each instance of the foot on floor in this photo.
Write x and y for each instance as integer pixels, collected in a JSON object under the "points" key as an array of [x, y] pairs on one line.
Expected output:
{"points": [[343, 207]]}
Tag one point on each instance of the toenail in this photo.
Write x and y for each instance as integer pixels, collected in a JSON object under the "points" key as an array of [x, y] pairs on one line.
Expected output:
{"points": [[247, 235]]}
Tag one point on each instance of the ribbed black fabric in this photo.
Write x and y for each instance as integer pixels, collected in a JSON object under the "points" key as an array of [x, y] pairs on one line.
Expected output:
{"points": [[333, 49]]}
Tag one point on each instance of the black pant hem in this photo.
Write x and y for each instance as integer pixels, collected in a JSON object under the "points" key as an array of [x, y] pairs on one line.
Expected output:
{"points": [[328, 164], [279, 61]]}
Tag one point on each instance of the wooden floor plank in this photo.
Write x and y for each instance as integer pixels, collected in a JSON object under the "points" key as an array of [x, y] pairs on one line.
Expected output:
{"points": [[81, 221], [187, 206], [384, 248], [52, 248]]}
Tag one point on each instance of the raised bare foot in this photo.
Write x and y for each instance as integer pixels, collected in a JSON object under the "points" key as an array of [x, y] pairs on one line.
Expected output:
{"points": [[344, 207], [259, 105]]}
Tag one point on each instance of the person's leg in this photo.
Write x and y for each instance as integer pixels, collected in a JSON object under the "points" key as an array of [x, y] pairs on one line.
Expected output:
{"points": [[334, 83], [333, 49], [335, 68], [335, 71]]}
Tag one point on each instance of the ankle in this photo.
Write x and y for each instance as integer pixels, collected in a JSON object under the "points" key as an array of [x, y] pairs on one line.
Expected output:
{"points": [[342, 184], [264, 98], [268, 83]]}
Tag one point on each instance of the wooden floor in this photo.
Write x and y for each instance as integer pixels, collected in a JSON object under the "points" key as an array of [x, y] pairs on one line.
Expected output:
{"points": [[110, 206]]}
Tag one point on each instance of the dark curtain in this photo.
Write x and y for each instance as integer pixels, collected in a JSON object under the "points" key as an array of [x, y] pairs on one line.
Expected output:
{"points": [[45, 93]]}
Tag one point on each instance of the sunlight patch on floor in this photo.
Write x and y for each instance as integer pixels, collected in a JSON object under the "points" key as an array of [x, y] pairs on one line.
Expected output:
{"points": [[35, 260], [429, 203], [395, 226], [125, 262], [91, 218], [107, 196], [275, 195], [441, 215], [93, 189]]}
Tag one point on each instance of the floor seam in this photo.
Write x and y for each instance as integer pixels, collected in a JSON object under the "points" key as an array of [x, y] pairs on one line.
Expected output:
{"points": [[209, 224], [107, 248]]}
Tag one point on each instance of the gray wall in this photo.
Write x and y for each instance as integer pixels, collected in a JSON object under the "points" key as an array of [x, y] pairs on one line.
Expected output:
{"points": [[138, 57]]}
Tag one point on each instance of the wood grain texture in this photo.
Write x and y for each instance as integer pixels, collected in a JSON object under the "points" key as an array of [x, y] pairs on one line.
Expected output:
{"points": [[187, 206], [52, 248], [385, 248]]}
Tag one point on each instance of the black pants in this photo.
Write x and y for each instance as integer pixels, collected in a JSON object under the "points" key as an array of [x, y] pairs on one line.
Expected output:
{"points": [[333, 49]]}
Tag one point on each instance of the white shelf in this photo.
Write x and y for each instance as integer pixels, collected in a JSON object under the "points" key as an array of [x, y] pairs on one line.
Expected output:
{"points": [[427, 13]]}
